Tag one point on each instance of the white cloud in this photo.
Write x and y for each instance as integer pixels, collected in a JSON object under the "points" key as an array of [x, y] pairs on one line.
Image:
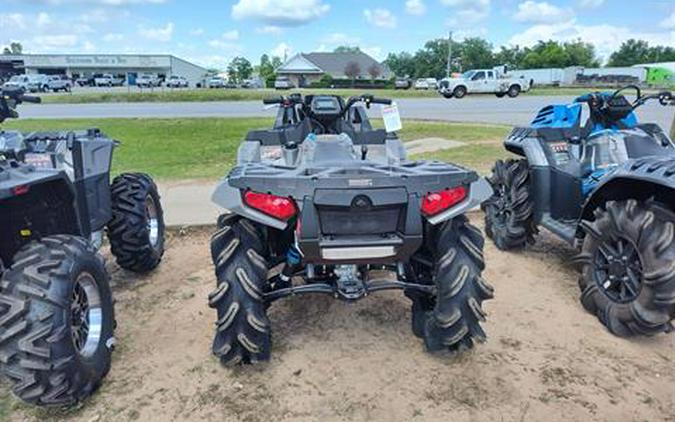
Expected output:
{"points": [[225, 45], [669, 22], [474, 4], [232, 35], [280, 12], [541, 12], [13, 21], [415, 7], [339, 38], [56, 41], [606, 38], [95, 16], [88, 46], [43, 19], [128, 2], [161, 34], [466, 13], [375, 52], [197, 32], [591, 4], [379, 17], [270, 29], [113, 37], [100, 2], [282, 50]]}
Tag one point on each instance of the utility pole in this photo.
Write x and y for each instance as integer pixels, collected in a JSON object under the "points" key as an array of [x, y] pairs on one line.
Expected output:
{"points": [[449, 52]]}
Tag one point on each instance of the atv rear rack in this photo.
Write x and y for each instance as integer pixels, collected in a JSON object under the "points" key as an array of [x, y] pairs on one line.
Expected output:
{"points": [[350, 292]]}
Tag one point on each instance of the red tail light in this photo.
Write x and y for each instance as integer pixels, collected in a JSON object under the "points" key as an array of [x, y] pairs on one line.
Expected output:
{"points": [[20, 190], [436, 202], [272, 205]]}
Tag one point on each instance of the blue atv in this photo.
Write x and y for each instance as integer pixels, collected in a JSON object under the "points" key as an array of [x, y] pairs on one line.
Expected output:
{"points": [[603, 182]]}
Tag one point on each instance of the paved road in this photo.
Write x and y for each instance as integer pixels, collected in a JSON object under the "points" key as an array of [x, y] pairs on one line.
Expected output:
{"points": [[484, 109]]}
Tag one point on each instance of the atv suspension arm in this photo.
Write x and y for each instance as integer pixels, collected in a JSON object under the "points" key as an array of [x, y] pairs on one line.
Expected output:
{"points": [[334, 290]]}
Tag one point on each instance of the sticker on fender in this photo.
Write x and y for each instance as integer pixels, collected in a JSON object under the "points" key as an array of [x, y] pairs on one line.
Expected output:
{"points": [[391, 117]]}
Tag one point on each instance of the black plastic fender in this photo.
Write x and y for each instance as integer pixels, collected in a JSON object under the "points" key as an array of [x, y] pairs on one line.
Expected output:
{"points": [[642, 179]]}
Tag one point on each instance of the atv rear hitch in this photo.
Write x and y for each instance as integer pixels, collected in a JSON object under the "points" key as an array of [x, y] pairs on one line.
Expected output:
{"points": [[350, 291]]}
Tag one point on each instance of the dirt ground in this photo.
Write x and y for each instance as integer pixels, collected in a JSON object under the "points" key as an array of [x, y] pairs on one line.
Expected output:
{"points": [[545, 359]]}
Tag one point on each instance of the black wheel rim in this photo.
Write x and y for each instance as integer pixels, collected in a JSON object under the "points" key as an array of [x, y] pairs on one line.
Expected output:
{"points": [[86, 315], [618, 270]]}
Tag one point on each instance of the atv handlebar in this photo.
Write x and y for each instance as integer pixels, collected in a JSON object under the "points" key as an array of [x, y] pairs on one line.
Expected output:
{"points": [[366, 98], [31, 99], [599, 100], [18, 95]]}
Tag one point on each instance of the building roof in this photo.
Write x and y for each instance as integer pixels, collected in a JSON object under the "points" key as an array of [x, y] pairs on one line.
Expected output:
{"points": [[332, 63]]}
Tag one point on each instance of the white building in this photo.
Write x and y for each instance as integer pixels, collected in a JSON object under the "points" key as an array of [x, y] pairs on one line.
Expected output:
{"points": [[128, 66]]}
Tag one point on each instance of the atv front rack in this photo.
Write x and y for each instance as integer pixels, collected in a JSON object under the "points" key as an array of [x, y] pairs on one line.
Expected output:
{"points": [[349, 290]]}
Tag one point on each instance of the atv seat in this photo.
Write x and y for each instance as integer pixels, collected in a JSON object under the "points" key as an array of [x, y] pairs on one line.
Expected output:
{"points": [[280, 136]]}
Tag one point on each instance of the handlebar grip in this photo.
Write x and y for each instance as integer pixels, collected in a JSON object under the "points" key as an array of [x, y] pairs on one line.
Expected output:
{"points": [[274, 100], [384, 101], [31, 99]]}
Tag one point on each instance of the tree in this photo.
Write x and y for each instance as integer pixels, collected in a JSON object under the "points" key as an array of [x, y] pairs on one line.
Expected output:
{"points": [[476, 53], [347, 49], [14, 48], [512, 57], [401, 64], [352, 71], [431, 61], [581, 53], [629, 53], [638, 51], [239, 69], [374, 71]]}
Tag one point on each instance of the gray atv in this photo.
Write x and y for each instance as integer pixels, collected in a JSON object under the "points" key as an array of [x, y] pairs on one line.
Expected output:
{"points": [[56, 307], [322, 204]]}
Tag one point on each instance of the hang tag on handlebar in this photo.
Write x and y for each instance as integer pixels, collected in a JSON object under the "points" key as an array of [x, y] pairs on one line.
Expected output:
{"points": [[391, 117]]}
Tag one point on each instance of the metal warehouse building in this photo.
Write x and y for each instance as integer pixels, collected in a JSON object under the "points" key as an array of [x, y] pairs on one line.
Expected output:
{"points": [[128, 66]]}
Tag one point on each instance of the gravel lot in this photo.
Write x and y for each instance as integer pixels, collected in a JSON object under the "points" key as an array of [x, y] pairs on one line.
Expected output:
{"points": [[545, 359]]}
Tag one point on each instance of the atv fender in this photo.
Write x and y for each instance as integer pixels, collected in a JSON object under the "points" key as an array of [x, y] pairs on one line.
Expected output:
{"points": [[479, 191], [230, 198], [641, 179], [525, 143]]}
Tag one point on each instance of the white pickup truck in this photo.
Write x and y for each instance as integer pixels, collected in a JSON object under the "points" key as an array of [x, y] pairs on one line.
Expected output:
{"points": [[482, 81], [107, 80]]}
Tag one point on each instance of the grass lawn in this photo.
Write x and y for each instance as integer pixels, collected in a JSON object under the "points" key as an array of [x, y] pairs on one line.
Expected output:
{"points": [[174, 149], [197, 95]]}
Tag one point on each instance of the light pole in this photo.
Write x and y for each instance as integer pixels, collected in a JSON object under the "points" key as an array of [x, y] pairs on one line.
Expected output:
{"points": [[449, 52]]}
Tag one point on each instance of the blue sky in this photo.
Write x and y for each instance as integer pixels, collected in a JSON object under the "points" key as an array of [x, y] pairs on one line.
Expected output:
{"points": [[211, 32]]}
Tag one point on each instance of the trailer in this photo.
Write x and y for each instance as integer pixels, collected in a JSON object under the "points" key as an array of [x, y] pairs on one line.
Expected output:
{"points": [[538, 77]]}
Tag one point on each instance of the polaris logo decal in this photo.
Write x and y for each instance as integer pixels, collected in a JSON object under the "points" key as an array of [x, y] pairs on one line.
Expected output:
{"points": [[360, 183]]}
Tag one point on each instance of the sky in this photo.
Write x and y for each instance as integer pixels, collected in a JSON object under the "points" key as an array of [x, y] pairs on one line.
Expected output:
{"points": [[212, 32]]}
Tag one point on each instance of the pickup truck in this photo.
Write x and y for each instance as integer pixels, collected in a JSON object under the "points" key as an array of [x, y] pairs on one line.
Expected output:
{"points": [[426, 83], [107, 80], [17, 81], [177, 82], [482, 81], [148, 81], [59, 83]]}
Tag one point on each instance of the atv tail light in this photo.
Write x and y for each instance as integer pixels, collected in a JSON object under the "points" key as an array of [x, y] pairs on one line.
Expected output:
{"points": [[436, 202], [20, 190], [272, 205]]}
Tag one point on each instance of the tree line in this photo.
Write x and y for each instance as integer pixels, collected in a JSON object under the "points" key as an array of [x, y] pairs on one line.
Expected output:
{"points": [[476, 53]]}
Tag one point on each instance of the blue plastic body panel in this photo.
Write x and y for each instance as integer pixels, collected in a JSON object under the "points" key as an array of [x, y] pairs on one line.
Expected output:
{"points": [[557, 116]]}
